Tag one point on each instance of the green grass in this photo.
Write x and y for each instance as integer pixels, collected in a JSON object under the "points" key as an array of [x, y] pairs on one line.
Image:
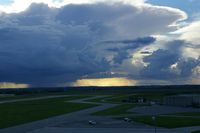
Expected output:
{"points": [[118, 110], [169, 122], [99, 100], [187, 114], [34, 95], [119, 98], [196, 131], [23, 112], [22, 96], [30, 96], [149, 96]]}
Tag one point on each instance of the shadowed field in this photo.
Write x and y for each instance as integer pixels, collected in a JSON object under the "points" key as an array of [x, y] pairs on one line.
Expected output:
{"points": [[27, 111]]}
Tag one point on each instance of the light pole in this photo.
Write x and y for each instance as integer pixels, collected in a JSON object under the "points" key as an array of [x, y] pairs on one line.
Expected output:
{"points": [[154, 121]]}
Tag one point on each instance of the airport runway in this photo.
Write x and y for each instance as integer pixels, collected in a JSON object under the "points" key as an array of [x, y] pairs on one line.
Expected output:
{"points": [[35, 98], [104, 130], [77, 122]]}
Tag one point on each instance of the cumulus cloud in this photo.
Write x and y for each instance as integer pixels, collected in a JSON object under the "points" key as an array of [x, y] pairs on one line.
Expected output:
{"points": [[190, 32], [125, 51], [20, 5], [187, 67], [47, 45], [169, 64], [159, 65]]}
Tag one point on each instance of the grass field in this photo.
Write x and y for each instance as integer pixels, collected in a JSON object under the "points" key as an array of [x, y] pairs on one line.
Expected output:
{"points": [[99, 100], [23, 112], [22, 96], [44, 95], [168, 122], [148, 96], [196, 131], [118, 110], [119, 98], [187, 114], [30, 96]]}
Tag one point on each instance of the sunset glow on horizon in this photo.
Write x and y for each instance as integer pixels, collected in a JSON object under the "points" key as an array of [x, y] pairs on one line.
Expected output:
{"points": [[103, 82]]}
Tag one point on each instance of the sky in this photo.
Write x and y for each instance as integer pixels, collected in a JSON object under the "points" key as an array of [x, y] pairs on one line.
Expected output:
{"points": [[191, 7], [50, 43]]}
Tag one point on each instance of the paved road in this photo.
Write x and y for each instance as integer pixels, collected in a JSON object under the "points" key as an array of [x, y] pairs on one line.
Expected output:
{"points": [[103, 130], [159, 110], [31, 99]]}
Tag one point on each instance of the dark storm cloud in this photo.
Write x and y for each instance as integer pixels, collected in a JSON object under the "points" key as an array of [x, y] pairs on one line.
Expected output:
{"points": [[120, 57], [138, 41], [162, 60], [186, 66], [159, 64], [123, 52], [40, 56], [45, 45], [146, 52]]}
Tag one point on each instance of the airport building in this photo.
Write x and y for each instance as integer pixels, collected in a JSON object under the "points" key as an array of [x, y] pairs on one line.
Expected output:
{"points": [[182, 100]]}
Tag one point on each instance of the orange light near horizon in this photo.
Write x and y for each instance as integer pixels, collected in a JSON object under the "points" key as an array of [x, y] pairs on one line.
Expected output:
{"points": [[195, 81], [12, 85], [103, 82]]}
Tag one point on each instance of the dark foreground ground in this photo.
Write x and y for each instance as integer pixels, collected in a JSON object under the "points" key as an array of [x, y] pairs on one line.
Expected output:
{"points": [[70, 111]]}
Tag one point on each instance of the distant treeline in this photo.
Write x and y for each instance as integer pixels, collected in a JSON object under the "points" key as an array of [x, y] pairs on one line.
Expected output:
{"points": [[127, 89]]}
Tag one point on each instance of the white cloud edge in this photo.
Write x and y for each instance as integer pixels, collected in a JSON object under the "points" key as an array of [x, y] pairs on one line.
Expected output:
{"points": [[21, 5]]}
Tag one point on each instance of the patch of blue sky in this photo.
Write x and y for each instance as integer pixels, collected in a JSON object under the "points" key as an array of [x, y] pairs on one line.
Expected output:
{"points": [[191, 7], [6, 2]]}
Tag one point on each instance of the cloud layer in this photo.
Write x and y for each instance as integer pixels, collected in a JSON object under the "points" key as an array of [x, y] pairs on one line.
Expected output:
{"points": [[48, 46], [169, 63]]}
